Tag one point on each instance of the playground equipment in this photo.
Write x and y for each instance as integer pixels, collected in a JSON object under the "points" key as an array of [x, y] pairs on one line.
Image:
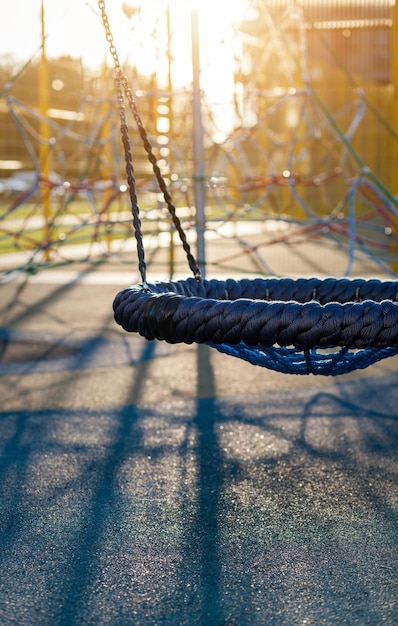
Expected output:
{"points": [[279, 324]]}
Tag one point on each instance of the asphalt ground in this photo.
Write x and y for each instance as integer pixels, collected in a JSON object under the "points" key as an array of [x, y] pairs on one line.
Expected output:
{"points": [[149, 484]]}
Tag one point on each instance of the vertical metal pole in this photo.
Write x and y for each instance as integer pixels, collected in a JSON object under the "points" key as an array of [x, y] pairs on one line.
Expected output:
{"points": [[198, 148], [394, 80], [394, 75], [44, 135], [170, 116], [107, 157]]}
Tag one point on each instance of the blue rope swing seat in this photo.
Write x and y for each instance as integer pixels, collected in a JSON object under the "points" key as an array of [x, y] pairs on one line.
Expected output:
{"points": [[303, 326]]}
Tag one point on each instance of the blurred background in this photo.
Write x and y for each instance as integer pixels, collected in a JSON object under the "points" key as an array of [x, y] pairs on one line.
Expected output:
{"points": [[274, 124]]}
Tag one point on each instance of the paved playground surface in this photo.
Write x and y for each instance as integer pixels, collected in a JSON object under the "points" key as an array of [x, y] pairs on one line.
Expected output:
{"points": [[149, 484]]}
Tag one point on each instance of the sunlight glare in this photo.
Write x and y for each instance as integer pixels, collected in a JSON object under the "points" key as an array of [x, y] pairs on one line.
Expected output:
{"points": [[144, 39], [149, 45], [162, 48]]}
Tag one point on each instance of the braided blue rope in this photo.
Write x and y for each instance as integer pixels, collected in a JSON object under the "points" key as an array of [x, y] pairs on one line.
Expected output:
{"points": [[292, 361], [275, 323]]}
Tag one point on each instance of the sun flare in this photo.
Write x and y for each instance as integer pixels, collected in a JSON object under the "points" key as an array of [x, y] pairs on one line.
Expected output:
{"points": [[160, 41], [154, 36]]}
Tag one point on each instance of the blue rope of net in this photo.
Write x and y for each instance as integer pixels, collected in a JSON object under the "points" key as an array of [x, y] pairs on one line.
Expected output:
{"points": [[329, 327], [292, 361]]}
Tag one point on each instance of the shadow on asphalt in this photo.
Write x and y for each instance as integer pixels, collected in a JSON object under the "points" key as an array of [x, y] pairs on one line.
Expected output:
{"points": [[277, 508]]}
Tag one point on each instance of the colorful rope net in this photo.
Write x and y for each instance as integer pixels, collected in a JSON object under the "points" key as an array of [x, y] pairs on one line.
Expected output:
{"points": [[281, 324], [284, 184]]}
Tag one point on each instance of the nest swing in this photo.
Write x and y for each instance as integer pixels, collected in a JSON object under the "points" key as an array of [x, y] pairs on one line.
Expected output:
{"points": [[304, 326]]}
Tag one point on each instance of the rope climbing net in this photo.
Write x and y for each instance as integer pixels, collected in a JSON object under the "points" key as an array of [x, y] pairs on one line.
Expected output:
{"points": [[288, 178], [281, 324]]}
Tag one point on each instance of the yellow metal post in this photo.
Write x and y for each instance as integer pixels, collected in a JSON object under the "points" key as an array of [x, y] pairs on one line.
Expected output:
{"points": [[394, 123], [106, 160], [170, 116], [44, 138]]}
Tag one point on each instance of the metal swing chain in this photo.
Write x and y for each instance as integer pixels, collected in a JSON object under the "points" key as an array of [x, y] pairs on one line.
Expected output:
{"points": [[127, 147], [123, 90]]}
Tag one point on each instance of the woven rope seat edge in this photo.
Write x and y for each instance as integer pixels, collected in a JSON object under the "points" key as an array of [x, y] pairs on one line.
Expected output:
{"points": [[276, 323]]}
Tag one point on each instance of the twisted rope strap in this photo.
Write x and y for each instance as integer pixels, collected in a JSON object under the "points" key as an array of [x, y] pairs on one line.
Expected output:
{"points": [[275, 323]]}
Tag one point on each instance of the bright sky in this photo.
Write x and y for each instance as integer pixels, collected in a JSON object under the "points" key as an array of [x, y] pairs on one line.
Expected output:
{"points": [[74, 27], [66, 24]]}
